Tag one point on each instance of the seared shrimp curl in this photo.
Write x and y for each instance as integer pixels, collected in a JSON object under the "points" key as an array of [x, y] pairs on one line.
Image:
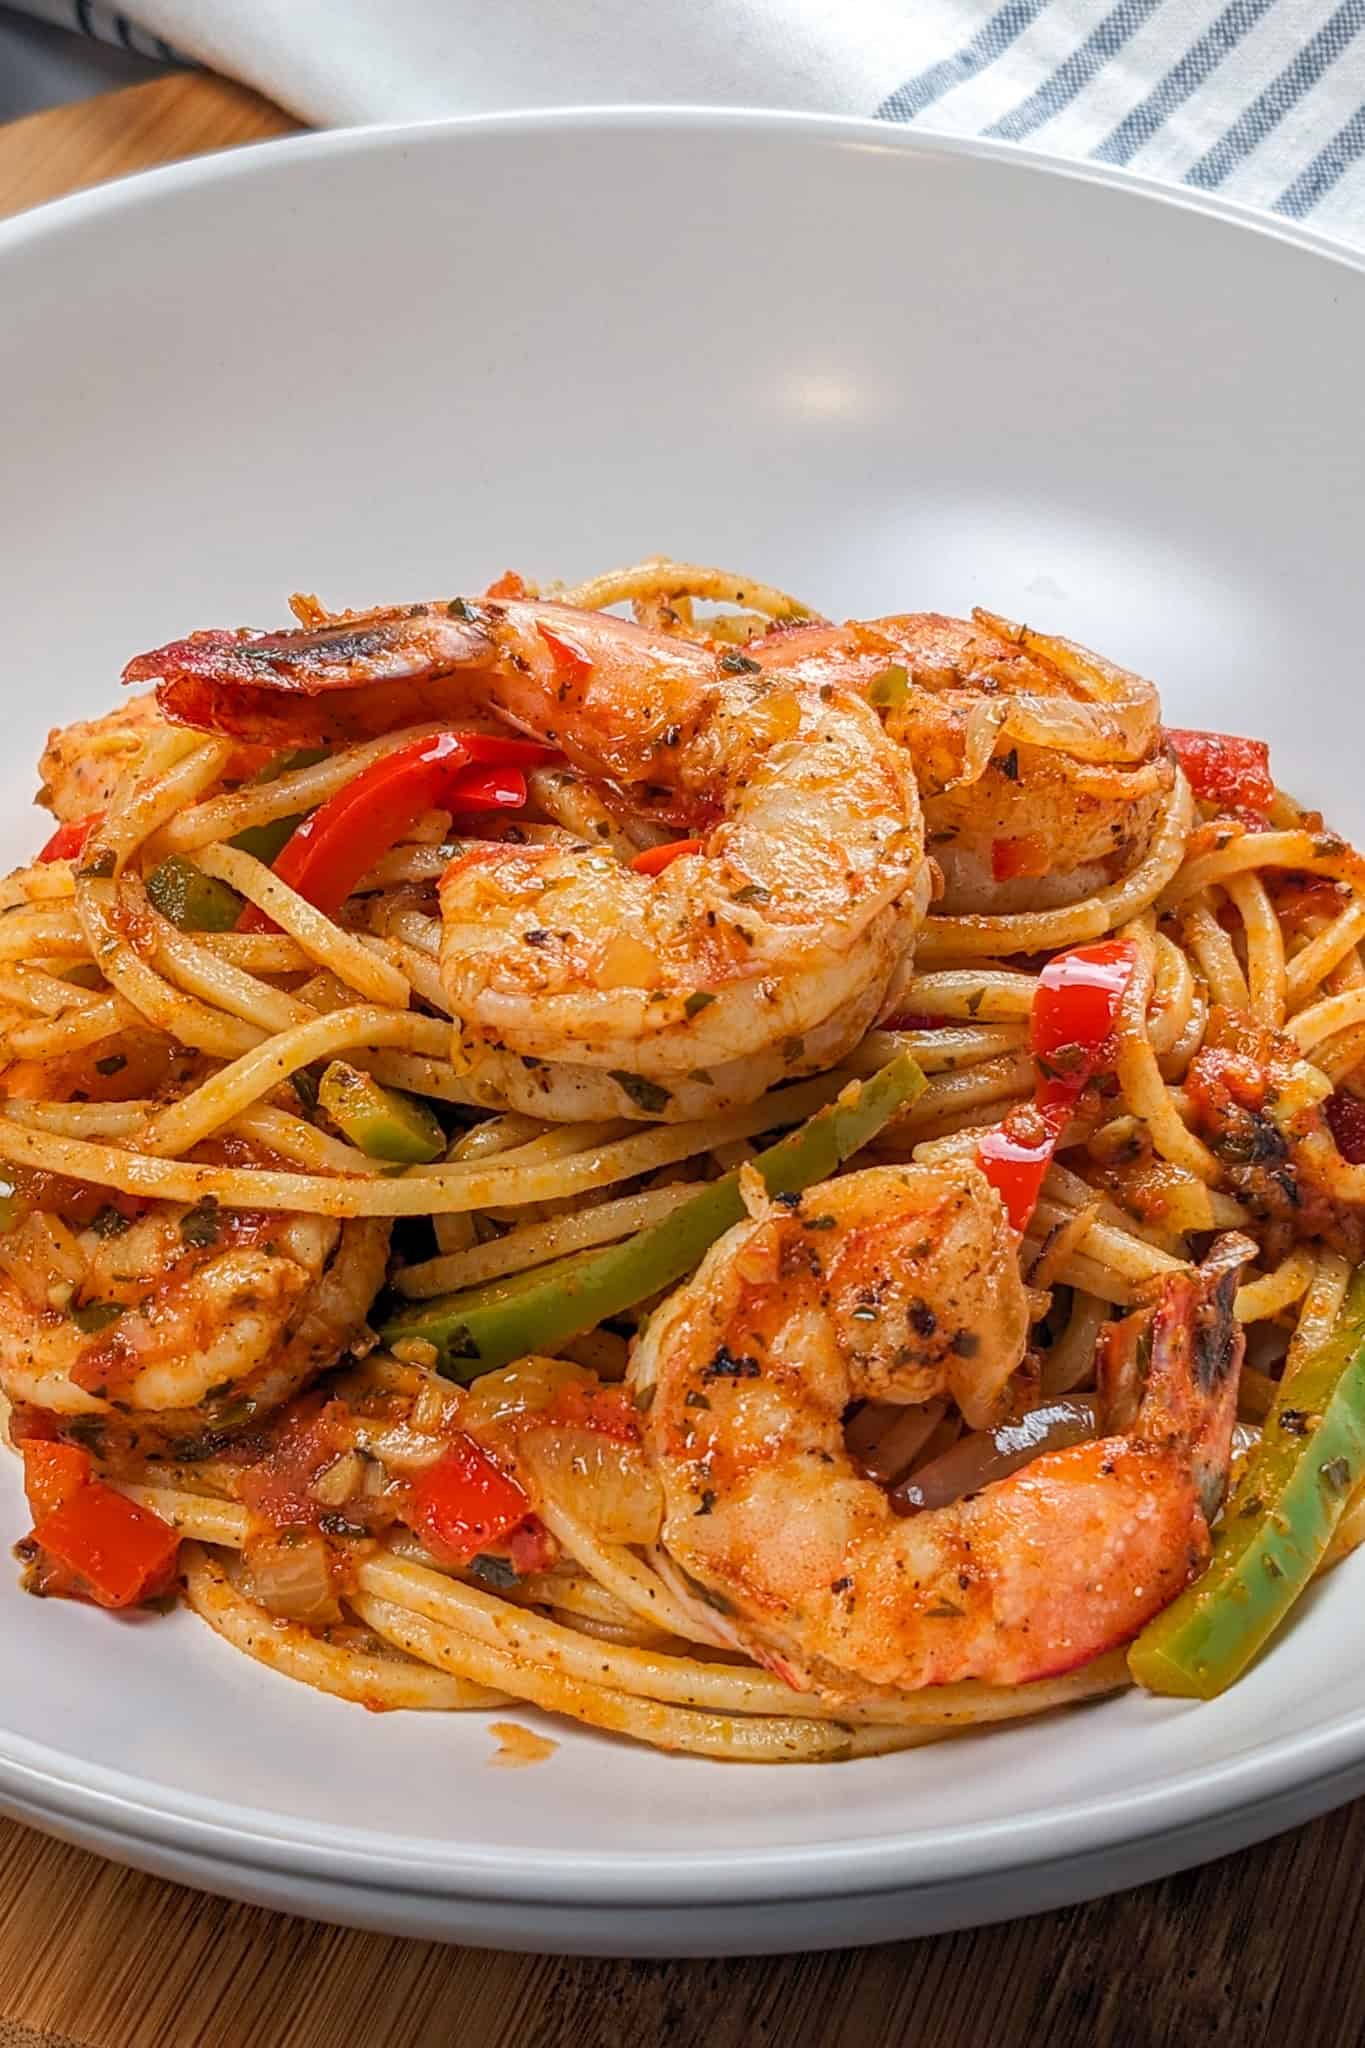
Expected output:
{"points": [[751, 1367], [1041, 765], [786, 921], [181, 1324]]}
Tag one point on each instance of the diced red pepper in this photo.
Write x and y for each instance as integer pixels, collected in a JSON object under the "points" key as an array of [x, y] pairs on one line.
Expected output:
{"points": [[1077, 1000], [655, 859], [451, 771], [464, 1502], [530, 1547], [570, 660], [1015, 1157], [1074, 1009], [1346, 1121], [69, 840], [1224, 769], [53, 1471], [488, 789], [1012, 859], [509, 584], [122, 1554]]}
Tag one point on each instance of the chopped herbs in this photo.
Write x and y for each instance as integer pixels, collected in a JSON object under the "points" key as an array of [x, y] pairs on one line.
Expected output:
{"points": [[113, 1064], [100, 866], [724, 1365], [650, 1096], [92, 1316], [890, 688], [305, 1084], [752, 892], [201, 1225], [110, 1222], [499, 1574], [699, 1000], [737, 664]]}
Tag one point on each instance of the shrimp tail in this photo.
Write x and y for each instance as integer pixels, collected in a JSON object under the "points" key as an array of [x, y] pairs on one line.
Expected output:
{"points": [[1169, 1373]]}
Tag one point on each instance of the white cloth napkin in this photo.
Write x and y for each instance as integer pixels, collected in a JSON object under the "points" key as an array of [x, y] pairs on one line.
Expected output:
{"points": [[1262, 100]]}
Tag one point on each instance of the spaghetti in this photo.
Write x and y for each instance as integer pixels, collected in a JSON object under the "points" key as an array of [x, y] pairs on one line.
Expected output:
{"points": [[286, 1121]]}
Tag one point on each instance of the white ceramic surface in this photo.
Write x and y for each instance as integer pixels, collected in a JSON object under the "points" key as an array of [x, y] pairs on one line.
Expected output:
{"points": [[887, 373]]}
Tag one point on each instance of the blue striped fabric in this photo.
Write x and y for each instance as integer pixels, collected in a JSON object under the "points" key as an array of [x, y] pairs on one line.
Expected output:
{"points": [[1262, 100], [105, 24]]}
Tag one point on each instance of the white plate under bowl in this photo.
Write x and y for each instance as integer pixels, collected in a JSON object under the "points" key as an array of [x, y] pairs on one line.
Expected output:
{"points": [[887, 373]]}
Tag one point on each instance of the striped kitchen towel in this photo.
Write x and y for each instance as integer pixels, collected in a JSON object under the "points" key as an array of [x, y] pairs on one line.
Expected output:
{"points": [[1262, 100]]}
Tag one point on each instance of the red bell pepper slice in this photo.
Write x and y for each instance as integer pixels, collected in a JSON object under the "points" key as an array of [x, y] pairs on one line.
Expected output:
{"points": [[1224, 769], [121, 1553], [464, 1502], [69, 840], [1074, 1008], [53, 1471], [450, 771], [655, 859]]}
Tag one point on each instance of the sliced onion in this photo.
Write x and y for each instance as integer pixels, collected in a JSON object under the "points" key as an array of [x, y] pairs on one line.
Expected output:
{"points": [[601, 1482], [990, 1454], [496, 1398], [1116, 716], [289, 1573]]}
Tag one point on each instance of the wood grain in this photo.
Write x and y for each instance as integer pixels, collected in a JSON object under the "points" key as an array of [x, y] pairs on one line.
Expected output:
{"points": [[1260, 1947], [50, 154]]}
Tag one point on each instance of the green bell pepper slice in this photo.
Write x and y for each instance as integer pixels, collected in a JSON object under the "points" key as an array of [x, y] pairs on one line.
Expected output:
{"points": [[267, 842], [1277, 1526], [382, 1122], [483, 1327], [192, 900]]}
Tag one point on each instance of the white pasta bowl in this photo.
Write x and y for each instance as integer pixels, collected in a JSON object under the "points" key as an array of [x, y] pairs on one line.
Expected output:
{"points": [[885, 373]]}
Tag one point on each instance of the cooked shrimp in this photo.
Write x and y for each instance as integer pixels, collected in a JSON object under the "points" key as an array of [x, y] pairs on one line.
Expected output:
{"points": [[180, 1323], [1041, 766], [83, 764], [802, 897], [749, 1370]]}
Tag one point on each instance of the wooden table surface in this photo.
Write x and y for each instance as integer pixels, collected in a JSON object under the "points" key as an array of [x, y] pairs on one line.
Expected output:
{"points": [[1261, 1947]]}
